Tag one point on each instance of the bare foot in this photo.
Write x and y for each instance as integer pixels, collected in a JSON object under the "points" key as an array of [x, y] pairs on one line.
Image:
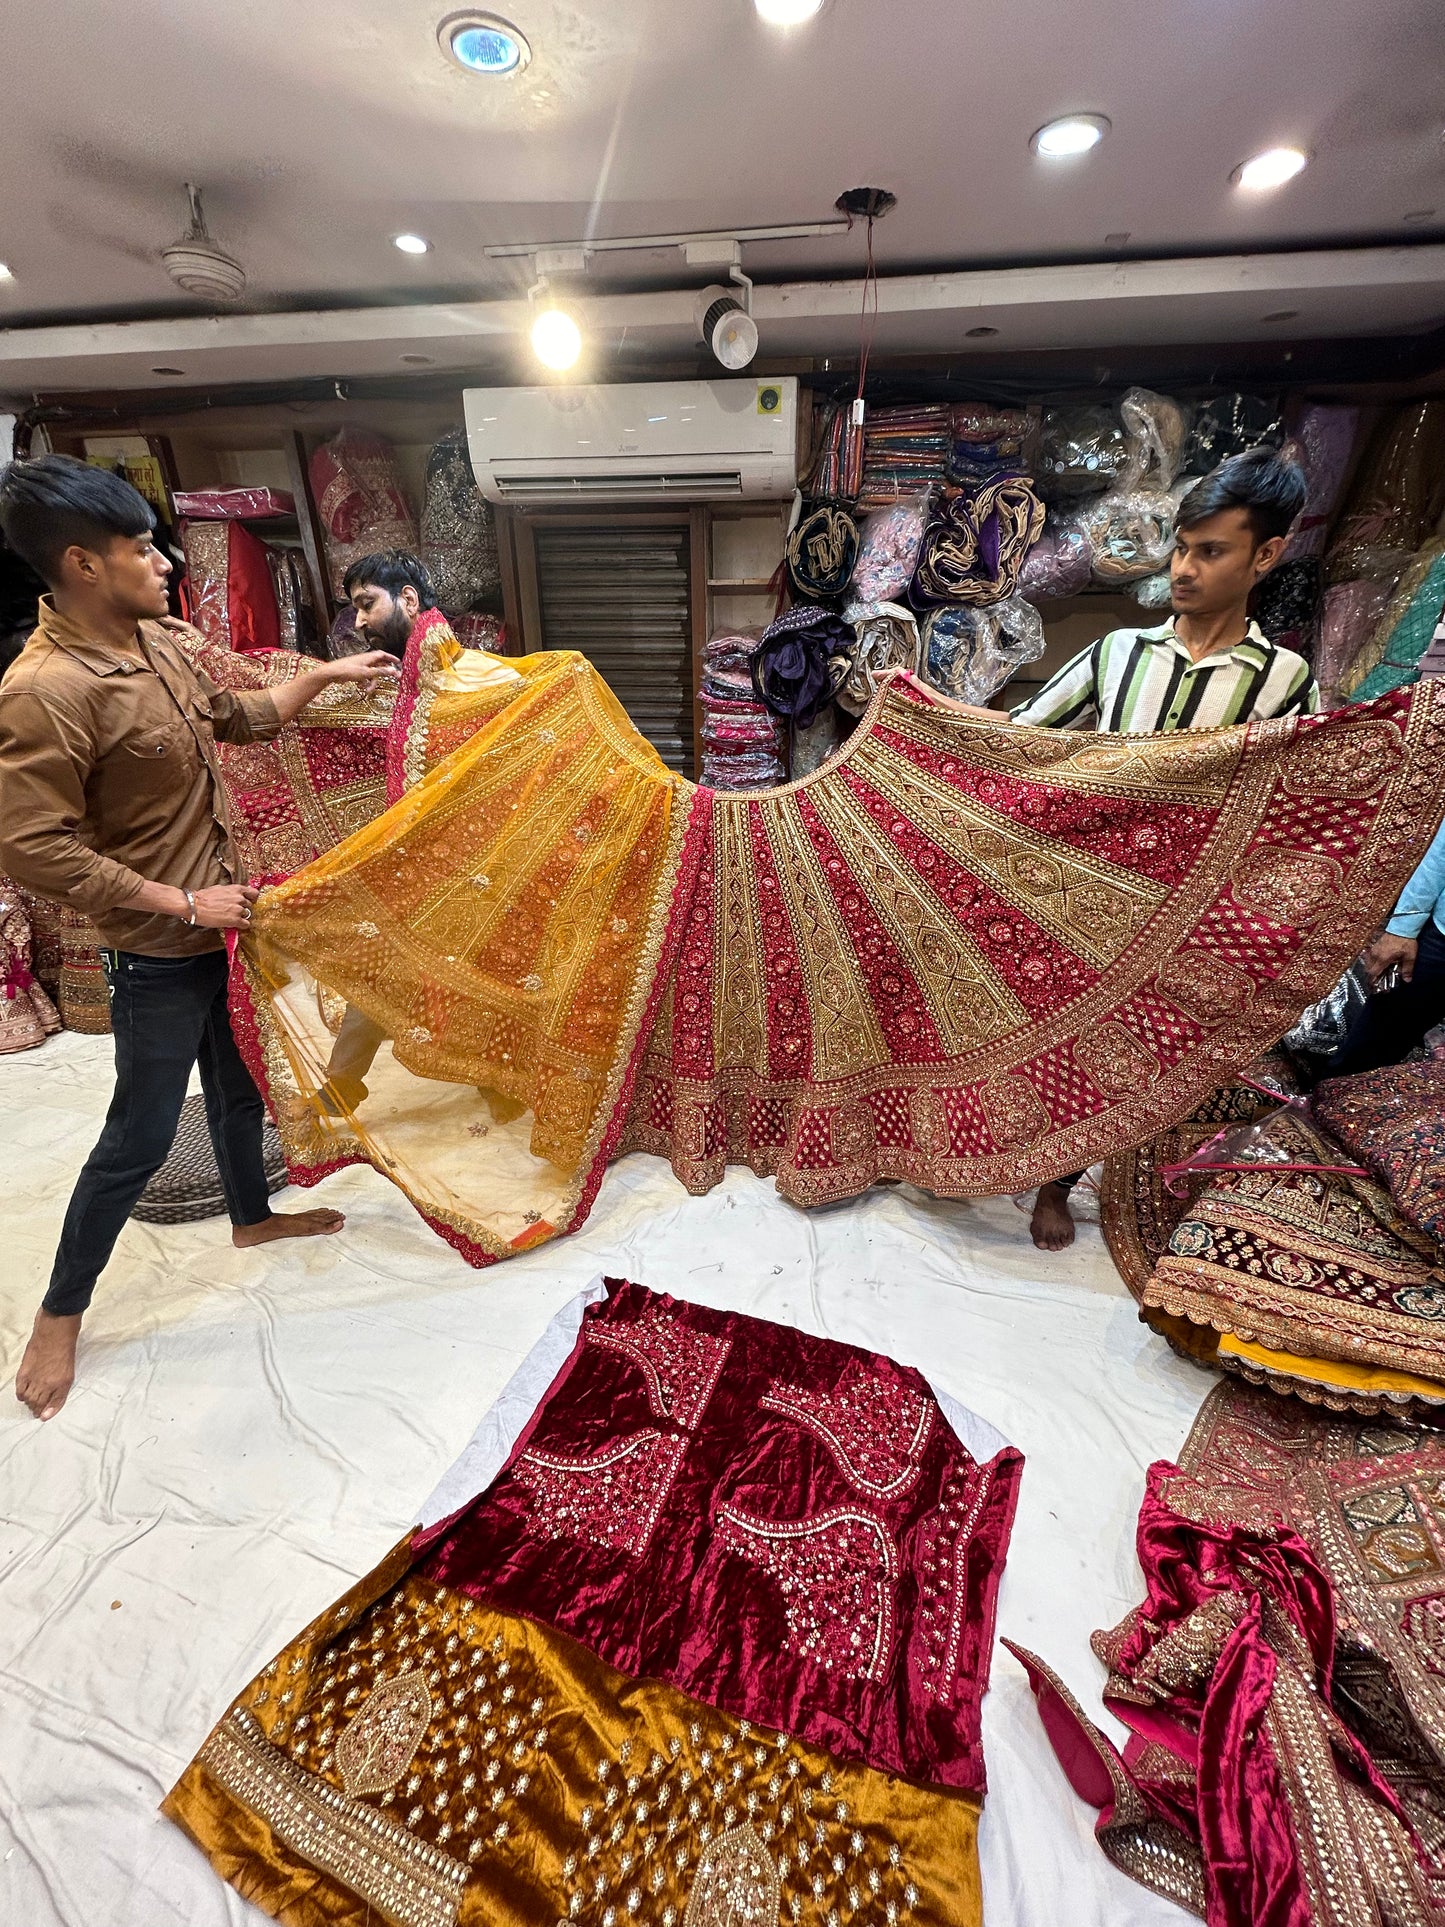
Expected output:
{"points": [[286, 1224], [47, 1371], [1052, 1224]]}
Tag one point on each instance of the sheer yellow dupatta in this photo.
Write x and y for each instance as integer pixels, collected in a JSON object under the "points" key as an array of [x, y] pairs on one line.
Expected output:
{"points": [[456, 992]]}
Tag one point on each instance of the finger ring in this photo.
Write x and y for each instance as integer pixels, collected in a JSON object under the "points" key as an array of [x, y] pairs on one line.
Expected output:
{"points": [[246, 912]]}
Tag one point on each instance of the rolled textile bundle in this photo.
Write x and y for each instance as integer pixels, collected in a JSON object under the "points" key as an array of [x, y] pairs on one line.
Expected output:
{"points": [[1059, 564], [359, 498], [1081, 451], [458, 531], [1154, 591], [1396, 498], [976, 548], [1131, 535], [1348, 617], [821, 554], [888, 638], [888, 547], [1226, 425], [1154, 431], [970, 654], [1287, 603], [988, 442], [1391, 657], [802, 662], [1321, 438], [904, 449]]}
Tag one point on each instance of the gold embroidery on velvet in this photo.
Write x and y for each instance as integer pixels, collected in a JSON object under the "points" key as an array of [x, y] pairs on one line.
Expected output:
{"points": [[846, 1037], [1287, 885], [408, 1882], [378, 1746], [736, 1884], [1353, 760], [968, 1003]]}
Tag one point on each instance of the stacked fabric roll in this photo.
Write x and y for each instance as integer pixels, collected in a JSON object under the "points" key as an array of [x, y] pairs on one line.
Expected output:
{"points": [[905, 450], [742, 742]]}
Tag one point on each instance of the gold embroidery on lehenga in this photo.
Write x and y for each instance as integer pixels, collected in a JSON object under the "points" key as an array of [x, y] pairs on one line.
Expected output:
{"points": [[1286, 885], [378, 1746], [846, 1037], [740, 1039], [1353, 760], [1090, 905], [968, 1003], [736, 1884], [408, 1882]]}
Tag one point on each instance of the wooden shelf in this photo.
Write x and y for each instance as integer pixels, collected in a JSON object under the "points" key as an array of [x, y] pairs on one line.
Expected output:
{"points": [[740, 582]]}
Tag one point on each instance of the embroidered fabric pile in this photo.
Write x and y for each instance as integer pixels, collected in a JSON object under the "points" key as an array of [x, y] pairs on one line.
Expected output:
{"points": [[27, 1015], [743, 742], [1303, 1271], [1281, 1682], [711, 1647], [360, 500]]}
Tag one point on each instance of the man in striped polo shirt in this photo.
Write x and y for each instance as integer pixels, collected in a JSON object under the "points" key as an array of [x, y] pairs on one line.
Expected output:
{"points": [[1208, 666]]}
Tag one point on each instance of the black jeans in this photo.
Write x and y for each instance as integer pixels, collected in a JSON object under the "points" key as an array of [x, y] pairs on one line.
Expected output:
{"points": [[1394, 1022], [167, 1014]]}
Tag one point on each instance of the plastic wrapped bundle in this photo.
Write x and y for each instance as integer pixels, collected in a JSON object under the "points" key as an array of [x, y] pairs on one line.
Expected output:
{"points": [[1081, 451], [970, 654], [1391, 657], [458, 532], [232, 590], [987, 443], [822, 553], [1154, 432], [802, 662], [1396, 498], [1227, 425], [888, 547], [975, 549], [1059, 564], [1321, 439], [888, 638], [1131, 535], [359, 498], [1348, 617], [1154, 591], [1287, 604], [233, 504]]}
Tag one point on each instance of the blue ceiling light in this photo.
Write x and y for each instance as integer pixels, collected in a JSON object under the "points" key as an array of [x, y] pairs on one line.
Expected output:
{"points": [[482, 44]]}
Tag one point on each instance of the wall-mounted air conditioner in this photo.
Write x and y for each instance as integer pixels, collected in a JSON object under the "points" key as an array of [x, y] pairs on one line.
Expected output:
{"points": [[689, 441]]}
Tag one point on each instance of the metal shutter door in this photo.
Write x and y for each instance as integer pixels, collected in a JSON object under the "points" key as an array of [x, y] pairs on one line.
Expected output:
{"points": [[619, 594]]}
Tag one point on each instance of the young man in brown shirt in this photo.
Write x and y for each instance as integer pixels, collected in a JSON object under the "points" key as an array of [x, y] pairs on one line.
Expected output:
{"points": [[111, 799]]}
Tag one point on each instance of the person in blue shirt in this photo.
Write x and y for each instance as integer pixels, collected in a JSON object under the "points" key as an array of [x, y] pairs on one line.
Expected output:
{"points": [[1394, 1021]]}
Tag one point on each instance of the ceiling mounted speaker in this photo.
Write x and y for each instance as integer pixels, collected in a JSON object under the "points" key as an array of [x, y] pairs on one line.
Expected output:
{"points": [[196, 264]]}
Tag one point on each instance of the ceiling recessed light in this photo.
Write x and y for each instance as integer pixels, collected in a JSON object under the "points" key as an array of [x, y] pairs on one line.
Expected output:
{"points": [[420, 361], [1075, 134], [1282, 314], [977, 334], [483, 44], [556, 339], [787, 13], [411, 244], [1269, 170], [7, 273], [168, 371]]}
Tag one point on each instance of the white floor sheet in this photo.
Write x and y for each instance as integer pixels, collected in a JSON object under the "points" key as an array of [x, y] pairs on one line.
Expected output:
{"points": [[252, 1431]]}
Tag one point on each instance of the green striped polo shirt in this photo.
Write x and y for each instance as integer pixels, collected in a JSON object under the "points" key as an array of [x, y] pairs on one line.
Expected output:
{"points": [[1144, 680]]}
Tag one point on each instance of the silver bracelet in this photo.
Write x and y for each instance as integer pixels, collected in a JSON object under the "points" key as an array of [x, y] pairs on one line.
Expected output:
{"points": [[190, 905]]}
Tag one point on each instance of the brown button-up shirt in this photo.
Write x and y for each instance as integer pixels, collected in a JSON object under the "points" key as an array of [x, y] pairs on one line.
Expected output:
{"points": [[109, 777]]}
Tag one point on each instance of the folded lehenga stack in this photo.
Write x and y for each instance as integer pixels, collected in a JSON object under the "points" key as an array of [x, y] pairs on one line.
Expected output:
{"points": [[709, 1648], [1319, 1268]]}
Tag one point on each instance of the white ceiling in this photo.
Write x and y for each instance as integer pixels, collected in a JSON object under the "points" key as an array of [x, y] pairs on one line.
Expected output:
{"points": [[318, 130]]}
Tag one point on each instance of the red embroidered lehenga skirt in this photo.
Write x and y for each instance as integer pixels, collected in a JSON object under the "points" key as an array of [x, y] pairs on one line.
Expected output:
{"points": [[972, 956]]}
